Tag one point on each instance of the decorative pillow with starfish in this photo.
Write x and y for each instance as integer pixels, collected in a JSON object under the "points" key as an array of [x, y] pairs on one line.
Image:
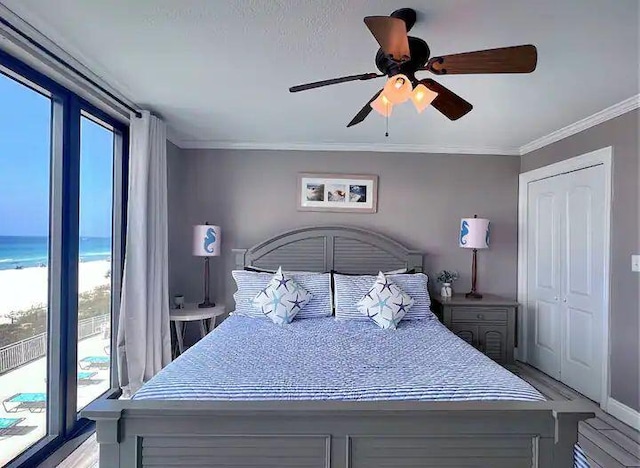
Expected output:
{"points": [[282, 298], [385, 303]]}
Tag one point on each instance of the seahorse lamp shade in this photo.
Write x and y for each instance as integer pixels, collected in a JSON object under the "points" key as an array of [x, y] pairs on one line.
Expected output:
{"points": [[474, 233], [206, 240]]}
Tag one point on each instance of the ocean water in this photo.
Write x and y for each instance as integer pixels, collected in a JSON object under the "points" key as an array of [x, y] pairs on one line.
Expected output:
{"points": [[25, 252]]}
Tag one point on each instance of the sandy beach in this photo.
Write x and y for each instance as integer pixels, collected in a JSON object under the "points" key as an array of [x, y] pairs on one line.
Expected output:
{"points": [[21, 289]]}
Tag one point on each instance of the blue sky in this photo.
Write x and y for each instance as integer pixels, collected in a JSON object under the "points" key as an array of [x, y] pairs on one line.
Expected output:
{"points": [[25, 118]]}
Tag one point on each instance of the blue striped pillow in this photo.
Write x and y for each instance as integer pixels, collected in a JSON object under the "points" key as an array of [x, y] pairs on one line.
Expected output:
{"points": [[250, 283], [348, 290]]}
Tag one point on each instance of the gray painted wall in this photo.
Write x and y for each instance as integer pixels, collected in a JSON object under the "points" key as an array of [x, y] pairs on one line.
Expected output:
{"points": [[422, 197], [622, 134], [251, 194]]}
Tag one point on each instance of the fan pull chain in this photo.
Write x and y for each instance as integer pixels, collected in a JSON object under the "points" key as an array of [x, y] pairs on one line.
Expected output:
{"points": [[386, 134]]}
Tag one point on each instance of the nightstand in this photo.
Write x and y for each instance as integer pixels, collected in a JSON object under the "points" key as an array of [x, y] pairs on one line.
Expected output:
{"points": [[192, 313], [488, 324]]}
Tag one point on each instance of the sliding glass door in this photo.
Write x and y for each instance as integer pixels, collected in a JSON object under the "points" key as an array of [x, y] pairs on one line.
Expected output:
{"points": [[25, 161], [62, 210]]}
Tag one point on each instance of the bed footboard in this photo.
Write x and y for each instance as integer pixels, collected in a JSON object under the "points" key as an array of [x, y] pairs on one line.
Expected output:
{"points": [[336, 434]]}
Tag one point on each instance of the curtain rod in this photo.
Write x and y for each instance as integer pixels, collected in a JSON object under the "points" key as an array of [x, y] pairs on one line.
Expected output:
{"points": [[69, 66]]}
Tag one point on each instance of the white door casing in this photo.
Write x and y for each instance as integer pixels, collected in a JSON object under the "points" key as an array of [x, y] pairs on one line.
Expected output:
{"points": [[577, 350]]}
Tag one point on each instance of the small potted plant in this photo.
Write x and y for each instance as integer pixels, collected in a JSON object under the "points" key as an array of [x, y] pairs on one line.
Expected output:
{"points": [[446, 278]]}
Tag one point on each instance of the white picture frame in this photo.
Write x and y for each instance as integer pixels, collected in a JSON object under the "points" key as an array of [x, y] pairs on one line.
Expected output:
{"points": [[346, 193]]}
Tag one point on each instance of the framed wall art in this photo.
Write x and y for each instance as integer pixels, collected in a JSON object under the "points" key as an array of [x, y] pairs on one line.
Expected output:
{"points": [[354, 193]]}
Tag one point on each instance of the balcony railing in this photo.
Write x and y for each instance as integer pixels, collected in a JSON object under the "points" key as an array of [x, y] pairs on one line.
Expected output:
{"points": [[30, 349]]}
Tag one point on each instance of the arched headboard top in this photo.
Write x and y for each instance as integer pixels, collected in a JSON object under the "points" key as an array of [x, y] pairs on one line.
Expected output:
{"points": [[330, 248]]}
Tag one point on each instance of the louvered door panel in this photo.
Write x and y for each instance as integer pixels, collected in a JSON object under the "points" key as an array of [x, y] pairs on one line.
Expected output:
{"points": [[502, 451], [468, 332], [493, 342], [250, 451]]}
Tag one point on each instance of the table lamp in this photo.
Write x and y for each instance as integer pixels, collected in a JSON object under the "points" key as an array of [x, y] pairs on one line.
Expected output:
{"points": [[206, 243], [474, 234]]}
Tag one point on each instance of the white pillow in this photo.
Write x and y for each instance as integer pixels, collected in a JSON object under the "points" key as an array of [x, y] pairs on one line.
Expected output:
{"points": [[281, 299], [385, 303]]}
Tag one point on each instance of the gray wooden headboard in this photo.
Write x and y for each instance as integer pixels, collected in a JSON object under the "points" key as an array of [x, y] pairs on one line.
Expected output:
{"points": [[326, 248]]}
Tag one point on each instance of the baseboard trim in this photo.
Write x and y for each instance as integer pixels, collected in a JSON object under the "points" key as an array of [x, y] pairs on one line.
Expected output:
{"points": [[623, 413]]}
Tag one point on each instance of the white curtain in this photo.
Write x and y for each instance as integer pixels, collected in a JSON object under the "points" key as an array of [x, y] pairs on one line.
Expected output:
{"points": [[144, 340]]}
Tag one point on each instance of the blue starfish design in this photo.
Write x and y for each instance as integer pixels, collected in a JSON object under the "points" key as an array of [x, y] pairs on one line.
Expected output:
{"points": [[394, 321], [369, 293], [288, 315], [282, 281], [386, 285], [297, 288], [276, 301], [369, 314], [382, 303], [296, 303], [402, 307], [263, 291]]}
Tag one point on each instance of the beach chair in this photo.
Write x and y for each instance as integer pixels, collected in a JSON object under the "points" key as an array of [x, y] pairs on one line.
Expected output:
{"points": [[94, 362], [33, 402], [86, 378], [10, 427]]}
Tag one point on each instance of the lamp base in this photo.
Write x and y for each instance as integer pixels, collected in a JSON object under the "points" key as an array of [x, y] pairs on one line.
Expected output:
{"points": [[473, 295], [206, 304]]}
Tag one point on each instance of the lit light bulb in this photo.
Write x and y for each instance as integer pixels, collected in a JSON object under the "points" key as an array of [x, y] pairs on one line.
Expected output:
{"points": [[382, 105], [422, 97], [398, 89]]}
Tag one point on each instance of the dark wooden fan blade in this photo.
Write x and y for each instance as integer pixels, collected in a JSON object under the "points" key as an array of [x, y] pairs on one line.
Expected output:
{"points": [[391, 34], [517, 59], [364, 112], [344, 79], [447, 102]]}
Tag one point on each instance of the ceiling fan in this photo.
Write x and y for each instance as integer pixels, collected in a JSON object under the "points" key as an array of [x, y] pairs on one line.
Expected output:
{"points": [[400, 56]]}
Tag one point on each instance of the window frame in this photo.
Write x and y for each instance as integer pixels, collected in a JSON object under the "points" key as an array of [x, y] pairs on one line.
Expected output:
{"points": [[63, 420]]}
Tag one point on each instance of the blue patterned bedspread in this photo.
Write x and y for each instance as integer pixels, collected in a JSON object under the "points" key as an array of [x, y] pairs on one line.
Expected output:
{"points": [[324, 359]]}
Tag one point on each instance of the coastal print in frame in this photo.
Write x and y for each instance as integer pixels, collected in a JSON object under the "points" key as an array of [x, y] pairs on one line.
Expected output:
{"points": [[353, 193]]}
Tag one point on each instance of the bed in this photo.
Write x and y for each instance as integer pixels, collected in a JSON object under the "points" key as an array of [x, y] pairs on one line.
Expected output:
{"points": [[327, 393]]}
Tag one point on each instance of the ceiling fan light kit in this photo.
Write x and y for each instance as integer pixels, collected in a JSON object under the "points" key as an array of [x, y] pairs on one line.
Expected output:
{"points": [[398, 89], [422, 97], [382, 105], [401, 56]]}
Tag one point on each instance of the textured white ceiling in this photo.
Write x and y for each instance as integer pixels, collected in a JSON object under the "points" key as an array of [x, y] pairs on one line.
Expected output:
{"points": [[219, 71]]}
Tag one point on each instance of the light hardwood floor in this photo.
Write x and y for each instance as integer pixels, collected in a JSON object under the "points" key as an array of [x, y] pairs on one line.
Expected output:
{"points": [[607, 442], [85, 456]]}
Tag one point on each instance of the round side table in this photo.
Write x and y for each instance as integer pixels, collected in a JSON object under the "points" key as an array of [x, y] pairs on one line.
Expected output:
{"points": [[192, 313]]}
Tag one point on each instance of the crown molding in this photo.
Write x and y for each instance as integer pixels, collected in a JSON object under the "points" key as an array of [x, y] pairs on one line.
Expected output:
{"points": [[606, 114], [22, 49], [370, 147]]}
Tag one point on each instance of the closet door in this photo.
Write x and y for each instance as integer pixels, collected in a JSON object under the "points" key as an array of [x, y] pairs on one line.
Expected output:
{"points": [[544, 275], [565, 255], [583, 280]]}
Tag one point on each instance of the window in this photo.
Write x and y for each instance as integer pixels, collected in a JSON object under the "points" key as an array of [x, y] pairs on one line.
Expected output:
{"points": [[94, 268], [25, 160], [62, 192]]}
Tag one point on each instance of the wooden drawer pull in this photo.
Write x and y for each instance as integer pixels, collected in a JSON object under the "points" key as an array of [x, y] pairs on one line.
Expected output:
{"points": [[480, 316]]}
